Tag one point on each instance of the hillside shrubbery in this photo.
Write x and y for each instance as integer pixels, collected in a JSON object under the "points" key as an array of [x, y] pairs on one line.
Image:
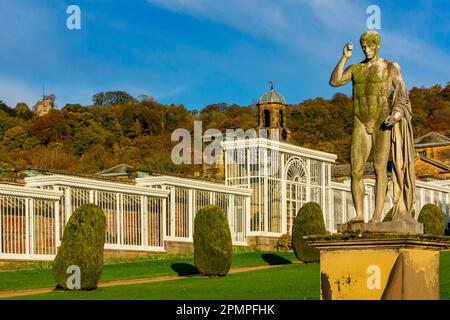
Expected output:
{"points": [[119, 128]]}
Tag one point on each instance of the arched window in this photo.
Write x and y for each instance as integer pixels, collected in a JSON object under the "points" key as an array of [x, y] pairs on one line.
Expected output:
{"points": [[280, 118], [266, 118], [296, 188], [296, 171]]}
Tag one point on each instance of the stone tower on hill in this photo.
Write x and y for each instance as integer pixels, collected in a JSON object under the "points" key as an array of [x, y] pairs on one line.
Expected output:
{"points": [[45, 105]]}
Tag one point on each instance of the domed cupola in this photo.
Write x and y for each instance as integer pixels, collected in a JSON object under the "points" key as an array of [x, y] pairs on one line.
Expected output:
{"points": [[272, 115], [272, 96]]}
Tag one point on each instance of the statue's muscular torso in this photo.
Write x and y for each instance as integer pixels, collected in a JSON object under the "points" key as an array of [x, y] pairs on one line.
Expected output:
{"points": [[372, 86]]}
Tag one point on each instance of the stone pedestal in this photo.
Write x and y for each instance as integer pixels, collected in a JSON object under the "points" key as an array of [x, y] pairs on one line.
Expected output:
{"points": [[400, 226], [379, 266]]}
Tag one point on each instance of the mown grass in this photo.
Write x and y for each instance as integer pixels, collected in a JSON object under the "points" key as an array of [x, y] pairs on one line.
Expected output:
{"points": [[445, 275], [292, 282], [41, 276]]}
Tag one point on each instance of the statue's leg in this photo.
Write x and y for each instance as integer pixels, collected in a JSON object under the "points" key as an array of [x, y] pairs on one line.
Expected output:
{"points": [[382, 146], [360, 150]]}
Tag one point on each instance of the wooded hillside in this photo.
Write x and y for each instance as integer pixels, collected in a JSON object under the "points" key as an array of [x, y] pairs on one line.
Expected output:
{"points": [[119, 128]]}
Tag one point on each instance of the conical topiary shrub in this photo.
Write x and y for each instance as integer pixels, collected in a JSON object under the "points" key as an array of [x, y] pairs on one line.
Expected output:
{"points": [[212, 242], [433, 219], [82, 247], [309, 221]]}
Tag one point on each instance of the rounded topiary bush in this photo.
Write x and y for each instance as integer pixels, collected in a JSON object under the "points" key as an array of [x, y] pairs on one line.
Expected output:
{"points": [[82, 246], [309, 221], [212, 242], [433, 219]]}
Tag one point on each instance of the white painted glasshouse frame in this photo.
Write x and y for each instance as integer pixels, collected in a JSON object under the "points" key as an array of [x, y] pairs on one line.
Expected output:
{"points": [[32, 218], [29, 222], [298, 175], [283, 177], [426, 192], [259, 200], [134, 214], [187, 196]]}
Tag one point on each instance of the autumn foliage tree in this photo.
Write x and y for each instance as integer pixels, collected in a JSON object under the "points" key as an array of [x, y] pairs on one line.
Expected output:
{"points": [[119, 128]]}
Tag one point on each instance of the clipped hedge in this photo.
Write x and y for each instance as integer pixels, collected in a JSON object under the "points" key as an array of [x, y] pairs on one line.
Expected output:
{"points": [[82, 246], [309, 221], [433, 219], [212, 242]]}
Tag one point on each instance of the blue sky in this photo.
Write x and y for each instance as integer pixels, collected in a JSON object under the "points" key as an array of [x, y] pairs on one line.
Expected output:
{"points": [[198, 52]]}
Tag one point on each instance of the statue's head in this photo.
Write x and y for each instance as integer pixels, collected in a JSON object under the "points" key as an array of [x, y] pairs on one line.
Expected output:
{"points": [[370, 43]]}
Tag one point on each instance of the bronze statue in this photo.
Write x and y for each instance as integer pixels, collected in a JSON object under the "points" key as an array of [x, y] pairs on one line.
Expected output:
{"points": [[381, 125]]}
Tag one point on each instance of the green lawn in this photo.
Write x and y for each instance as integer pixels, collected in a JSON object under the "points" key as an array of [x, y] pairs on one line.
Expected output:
{"points": [[28, 279], [294, 282], [445, 275], [290, 281]]}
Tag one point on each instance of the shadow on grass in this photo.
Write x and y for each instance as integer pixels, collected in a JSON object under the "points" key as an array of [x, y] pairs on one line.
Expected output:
{"points": [[184, 269], [273, 259]]}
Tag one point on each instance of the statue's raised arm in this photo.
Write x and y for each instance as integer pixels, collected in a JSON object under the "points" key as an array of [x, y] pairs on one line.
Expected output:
{"points": [[339, 77]]}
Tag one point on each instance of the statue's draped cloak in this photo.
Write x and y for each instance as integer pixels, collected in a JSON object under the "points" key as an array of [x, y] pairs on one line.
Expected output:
{"points": [[402, 146]]}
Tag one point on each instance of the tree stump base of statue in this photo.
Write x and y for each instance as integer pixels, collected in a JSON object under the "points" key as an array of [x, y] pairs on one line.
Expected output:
{"points": [[379, 266]]}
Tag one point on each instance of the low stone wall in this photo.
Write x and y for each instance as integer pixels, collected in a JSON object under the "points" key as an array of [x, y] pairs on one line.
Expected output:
{"points": [[109, 254], [177, 246], [172, 247], [262, 243], [18, 262]]}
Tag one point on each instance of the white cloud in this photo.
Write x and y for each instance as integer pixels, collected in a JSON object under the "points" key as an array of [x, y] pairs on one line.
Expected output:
{"points": [[14, 91], [11, 89], [304, 39], [300, 24], [260, 18], [312, 28], [417, 51], [28, 28], [169, 93]]}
